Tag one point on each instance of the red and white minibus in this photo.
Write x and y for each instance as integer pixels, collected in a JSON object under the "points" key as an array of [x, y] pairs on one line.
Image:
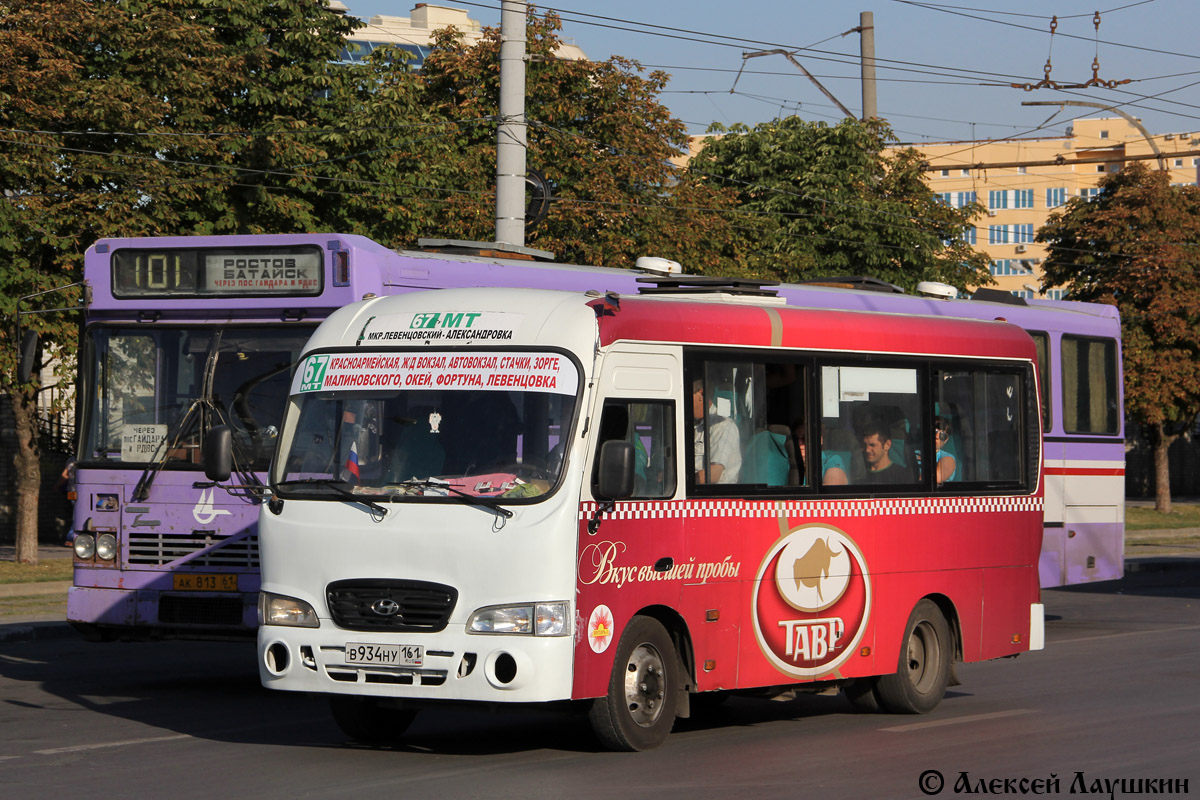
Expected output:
{"points": [[629, 502]]}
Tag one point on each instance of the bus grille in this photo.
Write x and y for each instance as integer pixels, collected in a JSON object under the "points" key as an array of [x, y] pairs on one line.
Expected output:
{"points": [[176, 610], [159, 549], [419, 606]]}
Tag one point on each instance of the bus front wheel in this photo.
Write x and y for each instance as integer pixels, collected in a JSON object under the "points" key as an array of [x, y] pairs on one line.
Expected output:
{"points": [[639, 710], [370, 720], [923, 672]]}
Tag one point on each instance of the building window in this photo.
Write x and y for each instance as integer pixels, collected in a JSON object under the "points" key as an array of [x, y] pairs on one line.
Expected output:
{"points": [[1099, 168], [965, 199], [945, 173], [1056, 197], [944, 198], [997, 234], [1022, 170], [997, 199], [1179, 162], [966, 173], [1023, 198], [1023, 234], [1103, 134], [1008, 266], [1090, 193]]}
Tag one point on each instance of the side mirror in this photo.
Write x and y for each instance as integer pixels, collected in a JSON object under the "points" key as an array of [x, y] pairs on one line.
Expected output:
{"points": [[28, 356], [218, 454], [616, 470]]}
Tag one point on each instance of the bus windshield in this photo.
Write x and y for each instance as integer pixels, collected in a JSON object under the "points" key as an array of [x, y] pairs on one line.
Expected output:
{"points": [[156, 391], [482, 425]]}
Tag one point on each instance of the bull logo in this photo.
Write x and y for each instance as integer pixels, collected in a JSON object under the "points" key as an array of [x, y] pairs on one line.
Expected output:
{"points": [[812, 569], [812, 574]]}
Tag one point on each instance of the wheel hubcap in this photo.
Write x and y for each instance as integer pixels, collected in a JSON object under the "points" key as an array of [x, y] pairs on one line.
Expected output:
{"points": [[645, 685], [923, 657]]}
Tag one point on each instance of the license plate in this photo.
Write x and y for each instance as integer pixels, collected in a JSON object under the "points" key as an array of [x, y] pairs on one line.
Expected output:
{"points": [[384, 655], [205, 583]]}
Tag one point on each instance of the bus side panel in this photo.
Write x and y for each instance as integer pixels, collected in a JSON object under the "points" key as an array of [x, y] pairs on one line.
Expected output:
{"points": [[1008, 594], [617, 579], [723, 552]]}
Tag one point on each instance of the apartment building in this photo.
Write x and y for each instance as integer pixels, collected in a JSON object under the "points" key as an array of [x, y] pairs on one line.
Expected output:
{"points": [[1022, 181], [414, 33]]}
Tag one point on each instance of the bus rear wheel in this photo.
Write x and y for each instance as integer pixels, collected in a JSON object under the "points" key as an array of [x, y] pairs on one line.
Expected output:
{"points": [[923, 672], [639, 710], [370, 720]]}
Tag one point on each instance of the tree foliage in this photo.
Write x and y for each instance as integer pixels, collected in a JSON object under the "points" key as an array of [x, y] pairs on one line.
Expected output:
{"points": [[817, 200], [1135, 246], [177, 117], [598, 132]]}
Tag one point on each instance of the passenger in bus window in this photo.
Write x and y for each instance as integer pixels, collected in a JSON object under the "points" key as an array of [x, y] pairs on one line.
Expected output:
{"points": [[876, 444], [724, 462], [947, 465], [833, 469]]}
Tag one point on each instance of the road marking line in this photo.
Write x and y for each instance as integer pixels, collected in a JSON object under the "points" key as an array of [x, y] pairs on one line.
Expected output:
{"points": [[1126, 633], [78, 747], [937, 723]]}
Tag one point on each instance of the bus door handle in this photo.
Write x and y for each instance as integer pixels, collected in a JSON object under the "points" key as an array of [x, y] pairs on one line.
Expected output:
{"points": [[664, 564]]}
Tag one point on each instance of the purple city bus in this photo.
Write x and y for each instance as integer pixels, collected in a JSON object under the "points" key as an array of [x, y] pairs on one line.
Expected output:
{"points": [[186, 333]]}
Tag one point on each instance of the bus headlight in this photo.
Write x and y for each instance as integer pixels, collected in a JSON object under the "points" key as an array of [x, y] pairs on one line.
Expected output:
{"points": [[106, 546], [85, 546], [276, 609], [538, 619]]}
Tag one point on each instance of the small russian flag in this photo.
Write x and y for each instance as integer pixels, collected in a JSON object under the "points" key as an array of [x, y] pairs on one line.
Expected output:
{"points": [[352, 475]]}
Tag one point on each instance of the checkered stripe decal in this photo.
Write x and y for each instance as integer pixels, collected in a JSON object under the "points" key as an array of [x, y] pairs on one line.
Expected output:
{"points": [[772, 509]]}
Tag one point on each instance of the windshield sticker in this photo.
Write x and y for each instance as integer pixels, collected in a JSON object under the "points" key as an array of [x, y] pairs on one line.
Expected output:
{"points": [[141, 442], [458, 327], [541, 372]]}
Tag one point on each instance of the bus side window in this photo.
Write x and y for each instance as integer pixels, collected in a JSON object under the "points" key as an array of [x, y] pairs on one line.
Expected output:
{"points": [[650, 427], [982, 411]]}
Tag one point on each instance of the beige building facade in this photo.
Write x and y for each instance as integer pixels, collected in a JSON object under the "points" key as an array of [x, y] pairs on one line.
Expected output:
{"points": [[414, 33], [1022, 181]]}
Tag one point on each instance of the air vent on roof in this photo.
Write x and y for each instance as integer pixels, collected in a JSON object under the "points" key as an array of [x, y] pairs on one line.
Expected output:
{"points": [[936, 289], [856, 282], [658, 266], [484, 249], [998, 296], [702, 284]]}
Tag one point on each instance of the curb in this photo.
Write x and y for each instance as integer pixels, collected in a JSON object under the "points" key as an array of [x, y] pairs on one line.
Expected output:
{"points": [[32, 589], [35, 631]]}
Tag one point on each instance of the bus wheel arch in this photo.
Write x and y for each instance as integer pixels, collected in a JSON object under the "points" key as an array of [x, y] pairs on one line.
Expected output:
{"points": [[924, 668], [639, 708]]}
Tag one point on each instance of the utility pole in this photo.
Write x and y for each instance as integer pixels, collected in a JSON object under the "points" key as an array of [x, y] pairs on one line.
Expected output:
{"points": [[511, 133], [866, 30]]}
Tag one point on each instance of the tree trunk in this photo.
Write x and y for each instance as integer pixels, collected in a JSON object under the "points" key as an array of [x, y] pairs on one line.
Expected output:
{"points": [[29, 477], [1162, 472]]}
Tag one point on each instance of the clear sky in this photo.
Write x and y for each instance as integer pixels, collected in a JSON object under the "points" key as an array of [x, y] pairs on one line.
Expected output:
{"points": [[944, 67]]}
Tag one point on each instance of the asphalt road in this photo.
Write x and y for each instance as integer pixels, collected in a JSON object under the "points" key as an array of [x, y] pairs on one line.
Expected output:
{"points": [[1114, 696]]}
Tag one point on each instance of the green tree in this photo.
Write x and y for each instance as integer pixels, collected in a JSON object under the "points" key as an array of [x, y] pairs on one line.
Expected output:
{"points": [[176, 117], [597, 131], [1135, 246], [820, 201], [156, 117]]}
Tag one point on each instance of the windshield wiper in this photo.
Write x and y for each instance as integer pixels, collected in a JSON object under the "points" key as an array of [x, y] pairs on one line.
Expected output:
{"points": [[489, 503], [338, 486]]}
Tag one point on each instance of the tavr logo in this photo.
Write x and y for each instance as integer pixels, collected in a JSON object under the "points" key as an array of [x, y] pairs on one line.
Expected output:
{"points": [[204, 511], [812, 600]]}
